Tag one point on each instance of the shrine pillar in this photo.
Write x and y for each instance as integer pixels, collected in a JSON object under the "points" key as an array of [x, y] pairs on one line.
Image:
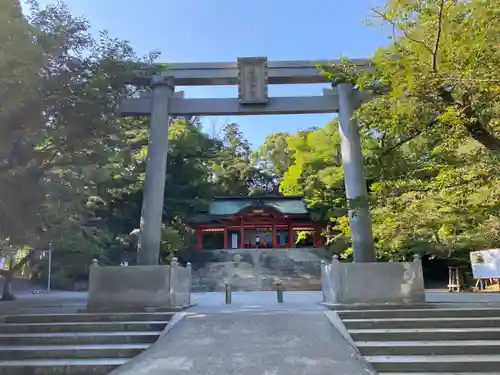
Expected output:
{"points": [[199, 239], [291, 237], [242, 234], [360, 223], [154, 185], [318, 239], [226, 245], [273, 242]]}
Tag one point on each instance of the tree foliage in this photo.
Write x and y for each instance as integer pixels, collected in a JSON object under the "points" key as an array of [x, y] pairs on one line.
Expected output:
{"points": [[274, 157], [234, 170], [72, 171], [431, 127]]}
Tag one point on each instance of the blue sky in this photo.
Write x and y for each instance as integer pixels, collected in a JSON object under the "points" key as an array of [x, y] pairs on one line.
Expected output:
{"points": [[222, 30]]}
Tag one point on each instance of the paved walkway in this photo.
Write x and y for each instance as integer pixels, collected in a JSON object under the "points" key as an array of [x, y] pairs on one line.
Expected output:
{"points": [[255, 301], [432, 296], [250, 343]]}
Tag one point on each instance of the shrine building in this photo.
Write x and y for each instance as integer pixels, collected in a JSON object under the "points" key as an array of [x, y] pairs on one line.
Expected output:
{"points": [[255, 222]]}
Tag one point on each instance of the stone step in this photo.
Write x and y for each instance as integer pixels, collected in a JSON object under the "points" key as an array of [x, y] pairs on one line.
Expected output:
{"points": [[439, 373], [83, 327], [376, 307], [88, 317], [61, 366], [421, 313], [421, 334], [465, 347], [466, 322], [435, 363], [71, 351], [80, 338]]}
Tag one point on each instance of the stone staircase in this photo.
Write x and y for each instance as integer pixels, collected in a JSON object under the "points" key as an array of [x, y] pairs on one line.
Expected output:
{"points": [[426, 340], [75, 344], [257, 269]]}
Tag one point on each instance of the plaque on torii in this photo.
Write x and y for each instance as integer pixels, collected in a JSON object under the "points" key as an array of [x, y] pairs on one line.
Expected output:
{"points": [[252, 80]]}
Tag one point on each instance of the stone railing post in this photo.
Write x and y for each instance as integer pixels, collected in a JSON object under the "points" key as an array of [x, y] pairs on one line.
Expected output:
{"points": [[174, 263], [417, 259], [323, 280], [417, 265], [417, 284], [189, 270], [336, 279]]}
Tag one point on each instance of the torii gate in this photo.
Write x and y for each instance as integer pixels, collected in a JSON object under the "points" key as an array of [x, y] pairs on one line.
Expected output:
{"points": [[252, 75]]}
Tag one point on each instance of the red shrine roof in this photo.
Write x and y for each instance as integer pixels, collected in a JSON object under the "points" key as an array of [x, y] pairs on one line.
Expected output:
{"points": [[225, 207]]}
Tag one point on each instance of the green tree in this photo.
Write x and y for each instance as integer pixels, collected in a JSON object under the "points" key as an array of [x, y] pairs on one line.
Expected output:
{"points": [[316, 172], [233, 170], [274, 157], [66, 86], [188, 186], [72, 171], [433, 122]]}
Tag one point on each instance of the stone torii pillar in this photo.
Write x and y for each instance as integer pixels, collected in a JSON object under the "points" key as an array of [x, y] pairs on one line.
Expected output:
{"points": [[154, 186], [360, 223]]}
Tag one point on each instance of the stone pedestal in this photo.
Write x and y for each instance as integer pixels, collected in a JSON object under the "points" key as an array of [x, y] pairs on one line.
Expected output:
{"points": [[373, 283], [139, 287]]}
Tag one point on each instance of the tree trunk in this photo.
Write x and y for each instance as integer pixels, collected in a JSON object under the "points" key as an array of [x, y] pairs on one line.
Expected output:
{"points": [[478, 132], [6, 289], [9, 275]]}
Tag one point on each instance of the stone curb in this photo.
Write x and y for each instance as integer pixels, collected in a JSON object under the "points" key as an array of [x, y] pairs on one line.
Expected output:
{"points": [[175, 319], [337, 323]]}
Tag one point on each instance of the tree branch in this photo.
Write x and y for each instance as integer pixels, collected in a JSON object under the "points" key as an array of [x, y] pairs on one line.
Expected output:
{"points": [[449, 186], [386, 152], [400, 143], [18, 266], [387, 19], [438, 37], [476, 128]]}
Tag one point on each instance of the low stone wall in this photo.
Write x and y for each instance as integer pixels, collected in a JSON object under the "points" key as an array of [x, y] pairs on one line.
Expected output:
{"points": [[180, 285], [137, 287], [348, 283], [257, 269]]}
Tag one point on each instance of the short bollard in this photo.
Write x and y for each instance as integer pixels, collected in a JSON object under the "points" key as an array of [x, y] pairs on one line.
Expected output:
{"points": [[279, 292], [228, 294]]}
